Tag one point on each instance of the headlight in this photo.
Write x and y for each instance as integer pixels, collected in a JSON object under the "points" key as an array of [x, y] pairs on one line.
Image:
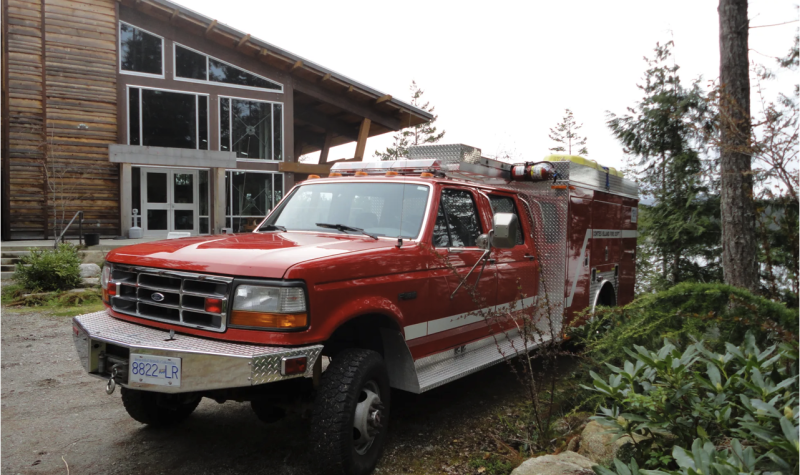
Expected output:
{"points": [[269, 307]]}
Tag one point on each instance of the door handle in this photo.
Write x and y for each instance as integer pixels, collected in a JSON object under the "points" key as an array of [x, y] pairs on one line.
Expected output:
{"points": [[529, 257]]}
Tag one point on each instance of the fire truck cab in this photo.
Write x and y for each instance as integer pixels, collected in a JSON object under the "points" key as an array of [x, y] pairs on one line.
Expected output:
{"points": [[379, 276]]}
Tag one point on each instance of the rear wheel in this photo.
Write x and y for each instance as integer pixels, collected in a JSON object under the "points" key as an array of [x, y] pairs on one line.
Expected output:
{"points": [[351, 413], [158, 410]]}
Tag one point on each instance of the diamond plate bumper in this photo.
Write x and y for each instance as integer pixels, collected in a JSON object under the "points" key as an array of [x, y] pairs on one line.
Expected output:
{"points": [[102, 340]]}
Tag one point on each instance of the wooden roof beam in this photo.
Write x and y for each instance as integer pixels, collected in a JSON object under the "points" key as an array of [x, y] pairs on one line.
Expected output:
{"points": [[297, 65], [175, 15], [210, 27], [387, 97], [325, 77], [243, 40]]}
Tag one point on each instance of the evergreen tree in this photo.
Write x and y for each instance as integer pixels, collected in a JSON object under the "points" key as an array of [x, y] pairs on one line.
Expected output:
{"points": [[661, 133], [422, 134], [566, 134]]}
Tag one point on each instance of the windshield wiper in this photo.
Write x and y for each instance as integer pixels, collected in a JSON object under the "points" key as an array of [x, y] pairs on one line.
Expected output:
{"points": [[272, 227], [345, 229]]}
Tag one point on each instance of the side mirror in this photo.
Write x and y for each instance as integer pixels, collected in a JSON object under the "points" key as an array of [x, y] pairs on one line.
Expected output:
{"points": [[506, 226]]}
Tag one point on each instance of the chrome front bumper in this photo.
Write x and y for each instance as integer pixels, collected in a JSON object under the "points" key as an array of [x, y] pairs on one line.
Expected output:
{"points": [[103, 341]]}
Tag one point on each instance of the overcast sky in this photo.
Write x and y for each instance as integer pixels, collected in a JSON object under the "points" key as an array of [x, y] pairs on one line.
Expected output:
{"points": [[500, 74]]}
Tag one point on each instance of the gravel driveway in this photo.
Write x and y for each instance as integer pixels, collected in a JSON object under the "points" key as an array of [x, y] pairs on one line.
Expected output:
{"points": [[52, 409]]}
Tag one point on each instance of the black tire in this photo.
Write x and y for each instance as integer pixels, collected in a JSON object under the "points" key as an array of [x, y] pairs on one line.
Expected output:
{"points": [[352, 376], [158, 410]]}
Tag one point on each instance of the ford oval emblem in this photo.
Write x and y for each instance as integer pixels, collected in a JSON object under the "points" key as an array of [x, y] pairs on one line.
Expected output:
{"points": [[157, 297]]}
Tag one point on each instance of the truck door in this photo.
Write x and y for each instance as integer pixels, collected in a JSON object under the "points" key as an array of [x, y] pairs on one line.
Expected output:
{"points": [[454, 239], [517, 268]]}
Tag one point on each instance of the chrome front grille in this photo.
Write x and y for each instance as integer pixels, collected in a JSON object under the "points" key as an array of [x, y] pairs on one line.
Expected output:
{"points": [[171, 296]]}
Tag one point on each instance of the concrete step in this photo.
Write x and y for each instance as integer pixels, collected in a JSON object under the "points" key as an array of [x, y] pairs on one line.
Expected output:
{"points": [[13, 254], [6, 275], [9, 261], [7, 268]]}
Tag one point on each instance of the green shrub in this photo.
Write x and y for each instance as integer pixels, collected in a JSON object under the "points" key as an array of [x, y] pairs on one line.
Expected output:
{"points": [[45, 270], [701, 399], [715, 313]]}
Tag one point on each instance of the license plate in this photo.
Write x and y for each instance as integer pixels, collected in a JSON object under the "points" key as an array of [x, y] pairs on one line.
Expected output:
{"points": [[159, 370]]}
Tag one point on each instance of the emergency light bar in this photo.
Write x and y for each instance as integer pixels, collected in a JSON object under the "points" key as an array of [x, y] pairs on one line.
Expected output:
{"points": [[402, 167]]}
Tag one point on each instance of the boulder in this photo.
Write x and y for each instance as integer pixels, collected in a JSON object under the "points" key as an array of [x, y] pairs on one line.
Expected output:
{"points": [[596, 444], [89, 270], [565, 463]]}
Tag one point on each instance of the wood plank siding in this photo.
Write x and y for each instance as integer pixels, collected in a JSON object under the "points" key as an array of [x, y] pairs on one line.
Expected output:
{"points": [[62, 115]]}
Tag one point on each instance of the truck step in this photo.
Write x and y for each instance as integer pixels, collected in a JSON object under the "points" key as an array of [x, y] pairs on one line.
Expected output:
{"points": [[441, 368]]}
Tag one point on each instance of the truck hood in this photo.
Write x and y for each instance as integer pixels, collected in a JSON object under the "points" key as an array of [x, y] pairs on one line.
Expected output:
{"points": [[267, 255]]}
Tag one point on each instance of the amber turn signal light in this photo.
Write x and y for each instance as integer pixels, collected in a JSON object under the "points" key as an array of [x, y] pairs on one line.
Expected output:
{"points": [[268, 320]]}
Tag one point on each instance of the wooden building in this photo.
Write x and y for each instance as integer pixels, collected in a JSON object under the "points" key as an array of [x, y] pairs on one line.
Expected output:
{"points": [[114, 106]]}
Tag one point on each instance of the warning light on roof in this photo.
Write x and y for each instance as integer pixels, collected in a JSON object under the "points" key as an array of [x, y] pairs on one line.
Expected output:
{"points": [[361, 173], [311, 177], [334, 175], [391, 173], [426, 175]]}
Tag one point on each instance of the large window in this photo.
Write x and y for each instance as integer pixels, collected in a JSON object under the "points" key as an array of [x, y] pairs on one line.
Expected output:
{"points": [[191, 65], [252, 129], [161, 118], [251, 196], [382, 209], [140, 52]]}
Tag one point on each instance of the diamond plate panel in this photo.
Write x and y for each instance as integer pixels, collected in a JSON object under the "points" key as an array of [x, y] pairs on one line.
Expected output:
{"points": [[446, 154], [267, 368]]}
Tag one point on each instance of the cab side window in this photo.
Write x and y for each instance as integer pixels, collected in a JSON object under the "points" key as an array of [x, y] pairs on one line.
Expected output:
{"points": [[505, 204], [457, 222]]}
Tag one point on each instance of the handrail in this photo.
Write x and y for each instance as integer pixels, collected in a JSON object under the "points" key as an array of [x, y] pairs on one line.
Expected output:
{"points": [[80, 230]]}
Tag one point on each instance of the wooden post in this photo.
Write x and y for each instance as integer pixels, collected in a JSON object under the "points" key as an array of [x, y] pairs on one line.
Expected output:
{"points": [[323, 155], [363, 134], [218, 200], [125, 198]]}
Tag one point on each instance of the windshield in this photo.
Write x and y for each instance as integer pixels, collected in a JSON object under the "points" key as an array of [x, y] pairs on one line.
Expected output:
{"points": [[382, 209]]}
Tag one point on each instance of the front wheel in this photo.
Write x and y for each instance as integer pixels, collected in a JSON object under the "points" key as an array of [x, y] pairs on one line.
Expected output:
{"points": [[351, 414]]}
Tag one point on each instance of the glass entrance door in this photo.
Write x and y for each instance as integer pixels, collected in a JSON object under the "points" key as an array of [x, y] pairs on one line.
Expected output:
{"points": [[169, 201]]}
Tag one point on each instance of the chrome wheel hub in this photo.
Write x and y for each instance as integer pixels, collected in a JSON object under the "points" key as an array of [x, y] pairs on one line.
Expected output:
{"points": [[368, 417]]}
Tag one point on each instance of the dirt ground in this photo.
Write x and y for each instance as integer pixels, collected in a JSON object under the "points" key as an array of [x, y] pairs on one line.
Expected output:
{"points": [[53, 414]]}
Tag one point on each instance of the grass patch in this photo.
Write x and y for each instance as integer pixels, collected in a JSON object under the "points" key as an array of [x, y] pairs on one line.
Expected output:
{"points": [[16, 299]]}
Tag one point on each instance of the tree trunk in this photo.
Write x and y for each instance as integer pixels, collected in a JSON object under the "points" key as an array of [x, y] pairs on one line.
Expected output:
{"points": [[739, 263]]}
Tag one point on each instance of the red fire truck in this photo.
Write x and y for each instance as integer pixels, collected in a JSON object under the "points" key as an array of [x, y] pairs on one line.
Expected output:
{"points": [[373, 278]]}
